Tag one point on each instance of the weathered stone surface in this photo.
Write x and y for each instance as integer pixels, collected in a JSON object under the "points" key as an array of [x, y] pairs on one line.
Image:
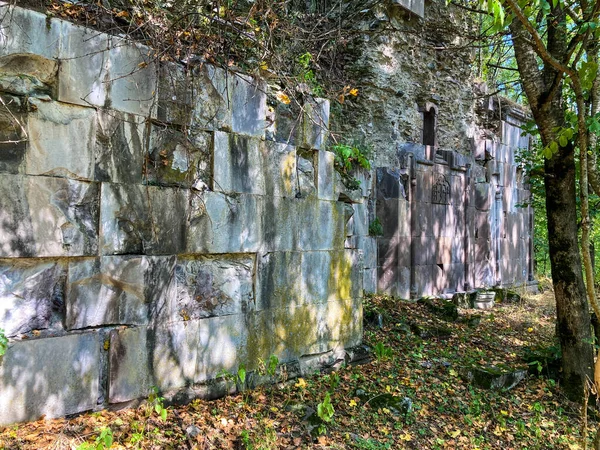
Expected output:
{"points": [[112, 290], [491, 377], [174, 159], [279, 280], [321, 225], [130, 375], [119, 147], [299, 329], [287, 123], [26, 31], [248, 105], [175, 94], [84, 77], [315, 123], [222, 345], [31, 295], [13, 135], [213, 286], [281, 171], [61, 141], [358, 225], [175, 354], [325, 175], [370, 281], [133, 78], [49, 377], [28, 74], [238, 164], [219, 223], [344, 322], [483, 198], [211, 98], [43, 216], [138, 219]]}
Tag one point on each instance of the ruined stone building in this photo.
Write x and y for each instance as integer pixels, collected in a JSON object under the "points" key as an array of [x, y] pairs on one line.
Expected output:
{"points": [[135, 255]]}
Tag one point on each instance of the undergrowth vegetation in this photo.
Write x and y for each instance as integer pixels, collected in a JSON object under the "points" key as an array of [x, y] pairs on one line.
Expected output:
{"points": [[413, 394]]}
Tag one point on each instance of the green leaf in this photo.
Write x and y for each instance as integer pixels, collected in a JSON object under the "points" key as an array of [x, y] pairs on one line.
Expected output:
{"points": [[562, 140], [163, 414]]}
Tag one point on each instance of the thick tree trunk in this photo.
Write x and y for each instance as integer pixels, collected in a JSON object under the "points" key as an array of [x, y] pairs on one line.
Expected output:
{"points": [[574, 329], [544, 92]]}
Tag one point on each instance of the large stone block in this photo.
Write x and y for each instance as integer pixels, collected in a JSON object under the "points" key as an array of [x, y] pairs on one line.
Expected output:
{"points": [[315, 124], [300, 330], [238, 164], [84, 73], [31, 295], [175, 354], [213, 286], [279, 224], [211, 98], [221, 345], [422, 219], [119, 149], [325, 175], [483, 196], [279, 280], [138, 219], [133, 80], [42, 216], [129, 374], [344, 323], [370, 281], [126, 290], [358, 224], [287, 123], [26, 31], [28, 74], [174, 159], [248, 105], [61, 140], [219, 223], [50, 377], [281, 170], [321, 224]]}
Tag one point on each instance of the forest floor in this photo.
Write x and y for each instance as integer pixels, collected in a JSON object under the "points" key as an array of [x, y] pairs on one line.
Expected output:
{"points": [[415, 393]]}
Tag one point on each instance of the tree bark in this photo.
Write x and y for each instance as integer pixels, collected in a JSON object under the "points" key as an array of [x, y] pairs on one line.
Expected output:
{"points": [[572, 310], [544, 93]]}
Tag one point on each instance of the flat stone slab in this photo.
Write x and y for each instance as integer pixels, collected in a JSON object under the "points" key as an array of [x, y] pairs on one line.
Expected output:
{"points": [[492, 377], [138, 219], [27, 31], [213, 286], [43, 217], [61, 140], [126, 290], [31, 295], [50, 377], [119, 147]]}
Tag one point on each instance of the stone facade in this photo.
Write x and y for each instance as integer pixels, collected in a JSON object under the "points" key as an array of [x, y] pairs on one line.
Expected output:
{"points": [[453, 223], [160, 225], [154, 231]]}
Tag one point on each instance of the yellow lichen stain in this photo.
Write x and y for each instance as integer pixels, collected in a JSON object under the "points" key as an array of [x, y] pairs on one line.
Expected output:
{"points": [[288, 164]]}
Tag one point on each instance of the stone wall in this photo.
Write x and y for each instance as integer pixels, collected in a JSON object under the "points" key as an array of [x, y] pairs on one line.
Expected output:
{"points": [[453, 223], [154, 228], [412, 54]]}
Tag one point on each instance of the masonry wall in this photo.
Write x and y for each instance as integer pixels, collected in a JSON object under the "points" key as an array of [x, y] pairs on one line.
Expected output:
{"points": [[453, 222], [154, 228]]}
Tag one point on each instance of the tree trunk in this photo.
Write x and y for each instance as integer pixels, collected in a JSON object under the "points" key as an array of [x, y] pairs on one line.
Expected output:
{"points": [[574, 328]]}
